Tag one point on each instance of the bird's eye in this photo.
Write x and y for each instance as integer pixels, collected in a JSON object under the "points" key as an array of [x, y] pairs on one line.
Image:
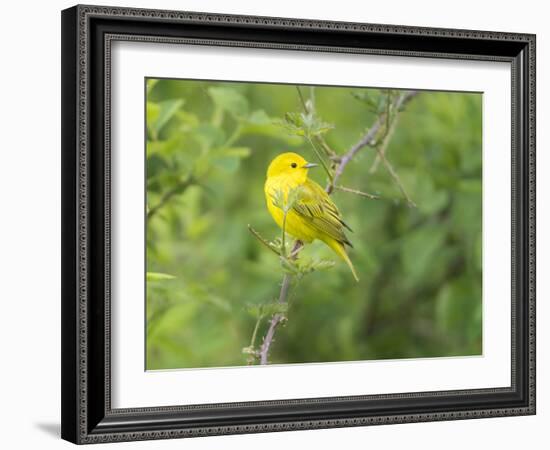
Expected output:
{"points": [[294, 165]]}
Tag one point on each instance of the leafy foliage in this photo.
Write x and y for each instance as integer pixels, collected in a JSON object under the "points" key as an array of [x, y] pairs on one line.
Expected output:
{"points": [[209, 281]]}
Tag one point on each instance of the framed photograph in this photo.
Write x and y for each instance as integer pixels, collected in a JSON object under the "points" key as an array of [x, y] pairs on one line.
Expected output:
{"points": [[280, 224]]}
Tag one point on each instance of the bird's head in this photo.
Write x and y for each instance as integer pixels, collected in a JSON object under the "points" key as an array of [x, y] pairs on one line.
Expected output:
{"points": [[290, 164]]}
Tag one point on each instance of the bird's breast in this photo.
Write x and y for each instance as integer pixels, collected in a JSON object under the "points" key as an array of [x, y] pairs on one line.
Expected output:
{"points": [[294, 224]]}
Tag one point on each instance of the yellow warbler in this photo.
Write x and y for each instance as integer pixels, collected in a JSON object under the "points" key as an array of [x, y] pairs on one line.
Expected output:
{"points": [[313, 215]]}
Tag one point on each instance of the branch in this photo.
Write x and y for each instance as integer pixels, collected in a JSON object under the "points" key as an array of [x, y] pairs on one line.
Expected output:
{"points": [[385, 142], [344, 160], [262, 240], [302, 101], [278, 317], [318, 137], [250, 350], [368, 139], [321, 160], [357, 192], [396, 178]]}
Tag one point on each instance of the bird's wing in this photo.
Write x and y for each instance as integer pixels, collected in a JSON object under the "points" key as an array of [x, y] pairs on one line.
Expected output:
{"points": [[317, 209]]}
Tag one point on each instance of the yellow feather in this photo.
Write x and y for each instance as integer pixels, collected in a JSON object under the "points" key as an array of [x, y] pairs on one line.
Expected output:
{"points": [[314, 216], [341, 252]]}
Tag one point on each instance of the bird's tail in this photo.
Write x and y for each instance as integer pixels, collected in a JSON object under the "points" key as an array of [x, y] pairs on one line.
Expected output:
{"points": [[341, 252]]}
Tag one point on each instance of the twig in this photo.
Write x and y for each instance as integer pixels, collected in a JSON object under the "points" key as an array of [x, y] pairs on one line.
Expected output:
{"points": [[234, 136], [177, 189], [385, 142], [381, 156], [278, 317], [321, 160], [268, 339], [304, 105], [396, 178], [355, 191], [344, 160], [283, 294], [318, 138], [283, 234], [367, 139], [255, 332], [329, 151], [312, 96], [253, 354], [296, 249], [262, 240]]}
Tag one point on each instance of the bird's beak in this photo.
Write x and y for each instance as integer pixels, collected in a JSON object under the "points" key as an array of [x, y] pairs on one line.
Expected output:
{"points": [[309, 165]]}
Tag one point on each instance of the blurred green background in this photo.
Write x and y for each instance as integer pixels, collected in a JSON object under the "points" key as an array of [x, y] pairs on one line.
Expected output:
{"points": [[208, 148]]}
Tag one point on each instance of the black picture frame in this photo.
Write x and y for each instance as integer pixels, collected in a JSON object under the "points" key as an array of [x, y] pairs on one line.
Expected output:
{"points": [[87, 33]]}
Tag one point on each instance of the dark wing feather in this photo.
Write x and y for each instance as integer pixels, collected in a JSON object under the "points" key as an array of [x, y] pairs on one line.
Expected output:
{"points": [[317, 209]]}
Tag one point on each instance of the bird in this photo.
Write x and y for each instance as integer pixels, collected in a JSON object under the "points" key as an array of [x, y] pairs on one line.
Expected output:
{"points": [[313, 215]]}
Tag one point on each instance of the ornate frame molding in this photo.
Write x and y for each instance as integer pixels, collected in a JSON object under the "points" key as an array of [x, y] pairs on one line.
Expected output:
{"points": [[85, 421]]}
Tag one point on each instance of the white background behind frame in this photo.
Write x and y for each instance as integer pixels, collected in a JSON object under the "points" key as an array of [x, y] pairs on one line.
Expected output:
{"points": [[35, 371], [134, 387]]}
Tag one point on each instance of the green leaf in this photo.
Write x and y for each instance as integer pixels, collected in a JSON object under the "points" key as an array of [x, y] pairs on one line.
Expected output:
{"points": [[237, 152], [274, 308], [157, 165], [160, 117], [315, 126], [465, 216], [301, 124], [266, 309], [459, 309], [229, 100], [254, 310], [369, 98], [157, 276], [228, 164], [152, 112], [165, 147], [188, 120], [289, 266], [323, 264], [419, 250], [176, 318], [293, 196], [229, 159], [259, 117], [287, 202], [428, 199], [260, 124], [209, 136], [470, 186], [471, 159], [278, 199], [151, 82], [307, 265]]}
